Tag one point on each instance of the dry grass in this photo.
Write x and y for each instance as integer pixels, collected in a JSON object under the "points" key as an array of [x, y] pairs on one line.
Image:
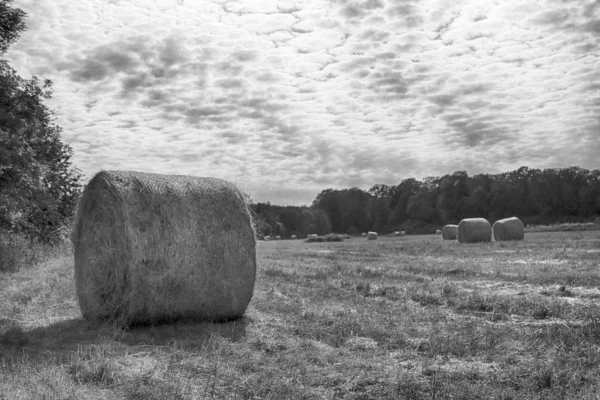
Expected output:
{"points": [[410, 317]]}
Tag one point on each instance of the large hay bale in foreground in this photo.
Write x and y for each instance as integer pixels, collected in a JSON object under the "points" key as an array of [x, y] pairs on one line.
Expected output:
{"points": [[372, 236], [154, 248], [473, 230], [508, 229], [450, 232]]}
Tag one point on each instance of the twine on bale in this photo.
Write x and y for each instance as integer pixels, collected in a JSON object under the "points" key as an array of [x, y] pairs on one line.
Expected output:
{"points": [[508, 229], [154, 248]]}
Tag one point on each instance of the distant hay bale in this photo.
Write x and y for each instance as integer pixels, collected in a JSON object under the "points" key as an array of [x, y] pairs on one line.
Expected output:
{"points": [[472, 230], [294, 237], [508, 229], [277, 237], [438, 232], [313, 235], [154, 248], [450, 232], [402, 233], [372, 236], [364, 234], [267, 238]]}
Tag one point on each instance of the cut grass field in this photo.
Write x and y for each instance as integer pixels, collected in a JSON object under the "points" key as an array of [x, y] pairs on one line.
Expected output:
{"points": [[411, 317]]}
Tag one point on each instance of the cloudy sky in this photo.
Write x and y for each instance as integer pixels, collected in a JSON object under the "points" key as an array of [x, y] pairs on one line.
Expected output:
{"points": [[287, 98]]}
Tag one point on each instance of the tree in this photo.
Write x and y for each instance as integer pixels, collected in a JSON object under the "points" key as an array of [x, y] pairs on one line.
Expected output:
{"points": [[399, 200], [420, 205], [12, 23], [39, 187]]}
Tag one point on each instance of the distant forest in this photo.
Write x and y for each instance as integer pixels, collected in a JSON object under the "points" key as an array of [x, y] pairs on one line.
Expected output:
{"points": [[537, 197]]}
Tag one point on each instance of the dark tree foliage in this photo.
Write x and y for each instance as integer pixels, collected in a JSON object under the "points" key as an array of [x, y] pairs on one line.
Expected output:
{"points": [[12, 23], [38, 185], [286, 221], [536, 196]]}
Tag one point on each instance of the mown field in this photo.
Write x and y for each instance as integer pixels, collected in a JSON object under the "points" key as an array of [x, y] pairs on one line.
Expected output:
{"points": [[410, 317]]}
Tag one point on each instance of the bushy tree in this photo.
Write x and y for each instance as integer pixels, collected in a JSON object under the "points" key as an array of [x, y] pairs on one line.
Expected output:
{"points": [[39, 187]]}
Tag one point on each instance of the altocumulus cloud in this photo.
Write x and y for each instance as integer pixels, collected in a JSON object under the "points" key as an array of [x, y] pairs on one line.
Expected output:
{"points": [[288, 99]]}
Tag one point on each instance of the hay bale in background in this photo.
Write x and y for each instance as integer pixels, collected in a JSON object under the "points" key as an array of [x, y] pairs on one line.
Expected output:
{"points": [[438, 232], [372, 236], [509, 229], [364, 234], [154, 248], [402, 233], [472, 230], [294, 237], [277, 237], [267, 238], [450, 232]]}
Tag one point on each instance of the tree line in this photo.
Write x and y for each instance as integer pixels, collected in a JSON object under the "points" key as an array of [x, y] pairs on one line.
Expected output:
{"points": [[538, 197]]}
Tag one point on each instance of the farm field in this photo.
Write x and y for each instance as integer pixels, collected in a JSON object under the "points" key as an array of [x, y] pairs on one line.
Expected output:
{"points": [[411, 317]]}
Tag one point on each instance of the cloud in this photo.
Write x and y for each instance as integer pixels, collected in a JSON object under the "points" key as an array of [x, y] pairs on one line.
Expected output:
{"points": [[331, 94]]}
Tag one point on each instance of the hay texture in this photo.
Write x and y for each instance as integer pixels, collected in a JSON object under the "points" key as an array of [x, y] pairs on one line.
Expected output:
{"points": [[155, 248], [450, 232], [473, 230], [372, 236], [508, 229]]}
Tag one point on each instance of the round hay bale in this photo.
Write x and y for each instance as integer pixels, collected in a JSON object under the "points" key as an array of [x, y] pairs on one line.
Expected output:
{"points": [[473, 230], [508, 229], [267, 238], [364, 234], [154, 248], [450, 232], [372, 236], [294, 237], [438, 232], [313, 235], [402, 233], [277, 237]]}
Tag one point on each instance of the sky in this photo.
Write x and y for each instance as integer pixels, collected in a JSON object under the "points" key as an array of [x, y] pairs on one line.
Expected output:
{"points": [[287, 98]]}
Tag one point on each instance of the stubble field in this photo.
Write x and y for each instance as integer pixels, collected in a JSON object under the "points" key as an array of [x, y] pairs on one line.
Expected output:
{"points": [[411, 317]]}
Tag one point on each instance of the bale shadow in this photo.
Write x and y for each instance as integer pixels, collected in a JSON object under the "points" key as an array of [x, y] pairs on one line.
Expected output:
{"points": [[64, 338]]}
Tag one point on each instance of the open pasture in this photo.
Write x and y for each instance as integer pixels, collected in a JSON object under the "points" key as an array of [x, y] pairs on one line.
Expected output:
{"points": [[411, 317]]}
